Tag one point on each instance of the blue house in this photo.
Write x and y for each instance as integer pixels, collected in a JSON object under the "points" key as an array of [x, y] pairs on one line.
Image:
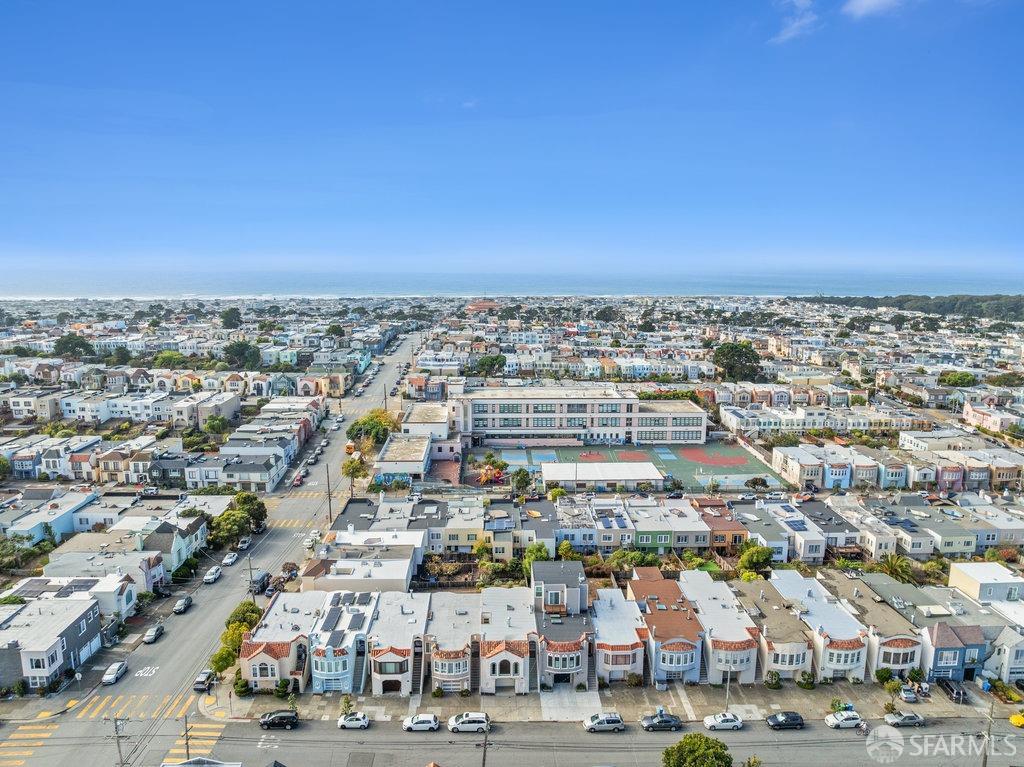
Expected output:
{"points": [[675, 636], [953, 652], [52, 518]]}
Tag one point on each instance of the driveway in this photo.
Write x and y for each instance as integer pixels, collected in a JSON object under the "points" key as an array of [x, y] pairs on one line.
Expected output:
{"points": [[564, 704]]}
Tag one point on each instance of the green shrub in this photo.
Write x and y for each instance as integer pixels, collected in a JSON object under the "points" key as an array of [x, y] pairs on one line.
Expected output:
{"points": [[437, 693], [634, 680], [772, 680], [581, 687], [281, 691], [464, 692], [883, 675], [20, 688]]}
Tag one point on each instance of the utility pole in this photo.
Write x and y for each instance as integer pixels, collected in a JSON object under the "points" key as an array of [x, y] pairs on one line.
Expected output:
{"points": [[118, 735], [252, 592], [188, 755], [330, 508], [988, 734]]}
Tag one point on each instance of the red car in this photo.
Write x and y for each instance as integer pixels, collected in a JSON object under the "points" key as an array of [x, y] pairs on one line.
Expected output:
{"points": [[297, 481]]}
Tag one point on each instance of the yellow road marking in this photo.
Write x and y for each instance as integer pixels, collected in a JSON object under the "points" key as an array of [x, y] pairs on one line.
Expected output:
{"points": [[93, 714], [38, 727], [89, 705], [28, 735], [192, 751], [197, 742], [113, 704], [43, 714], [72, 702], [170, 709], [186, 706], [12, 762], [33, 744], [139, 704], [18, 753], [220, 714], [156, 711]]}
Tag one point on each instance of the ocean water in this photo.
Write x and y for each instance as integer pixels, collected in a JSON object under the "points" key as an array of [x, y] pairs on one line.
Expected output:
{"points": [[167, 282]]}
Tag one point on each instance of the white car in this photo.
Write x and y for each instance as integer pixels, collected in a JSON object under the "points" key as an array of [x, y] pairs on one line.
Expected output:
{"points": [[469, 721], [354, 721], [114, 672], [724, 721], [229, 559], [212, 574], [841, 720], [244, 543], [420, 723]]}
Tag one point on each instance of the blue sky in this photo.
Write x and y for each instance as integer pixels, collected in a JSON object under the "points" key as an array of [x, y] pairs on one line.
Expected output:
{"points": [[542, 136]]}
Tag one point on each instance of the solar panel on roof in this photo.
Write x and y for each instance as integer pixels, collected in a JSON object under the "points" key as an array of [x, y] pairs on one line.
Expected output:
{"points": [[620, 523], [336, 639], [331, 619], [348, 598], [363, 598], [335, 598], [357, 621]]}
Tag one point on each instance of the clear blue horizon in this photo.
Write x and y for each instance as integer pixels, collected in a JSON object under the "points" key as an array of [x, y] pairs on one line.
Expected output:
{"points": [[498, 138]]}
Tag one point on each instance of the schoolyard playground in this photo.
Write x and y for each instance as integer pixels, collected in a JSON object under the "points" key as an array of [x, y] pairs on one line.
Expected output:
{"points": [[695, 466]]}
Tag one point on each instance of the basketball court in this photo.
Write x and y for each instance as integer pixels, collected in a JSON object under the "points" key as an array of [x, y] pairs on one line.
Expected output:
{"points": [[696, 466]]}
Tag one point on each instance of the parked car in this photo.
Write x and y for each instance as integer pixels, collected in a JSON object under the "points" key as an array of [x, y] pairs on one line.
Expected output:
{"points": [[608, 721], [954, 690], [213, 574], [469, 721], [244, 543], [229, 559], [785, 720], [297, 480], [899, 719], [675, 494], [279, 720], [182, 605], [420, 723], [153, 633], [724, 721], [661, 721], [114, 672], [907, 694], [204, 681], [354, 721], [304, 472], [841, 720]]}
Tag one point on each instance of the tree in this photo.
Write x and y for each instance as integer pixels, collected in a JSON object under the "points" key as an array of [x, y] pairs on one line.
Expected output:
{"points": [[353, 469], [958, 378], [170, 359], [247, 613], [5, 468], [893, 687], [697, 750], [896, 566], [535, 552], [555, 493], [490, 364], [566, 551], [737, 361], [335, 330], [120, 356], [377, 424], [857, 400], [520, 480], [242, 355], [755, 559], [482, 550], [71, 345], [232, 636], [229, 527], [216, 424], [253, 507], [756, 483], [607, 314], [231, 318], [222, 660]]}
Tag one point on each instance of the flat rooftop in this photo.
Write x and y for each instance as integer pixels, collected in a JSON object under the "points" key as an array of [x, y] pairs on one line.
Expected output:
{"points": [[615, 619], [858, 597], [546, 392], [399, 618], [770, 610], [423, 412], [404, 448]]}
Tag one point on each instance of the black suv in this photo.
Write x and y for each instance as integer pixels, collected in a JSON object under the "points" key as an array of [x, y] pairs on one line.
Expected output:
{"points": [[785, 720], [279, 720], [954, 690]]}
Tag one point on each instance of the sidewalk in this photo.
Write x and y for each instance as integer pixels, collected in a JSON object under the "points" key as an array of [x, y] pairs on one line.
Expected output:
{"points": [[691, 703]]}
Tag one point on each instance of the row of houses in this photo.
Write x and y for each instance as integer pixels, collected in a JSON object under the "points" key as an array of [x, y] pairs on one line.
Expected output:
{"points": [[559, 630]]}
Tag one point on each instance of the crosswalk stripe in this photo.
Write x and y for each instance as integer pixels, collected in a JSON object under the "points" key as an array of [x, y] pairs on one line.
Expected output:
{"points": [[12, 762], [124, 706], [197, 742], [43, 714], [28, 735], [38, 727], [20, 744], [186, 705], [99, 708], [156, 711], [169, 712], [17, 753], [88, 706], [193, 751], [139, 706]]}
